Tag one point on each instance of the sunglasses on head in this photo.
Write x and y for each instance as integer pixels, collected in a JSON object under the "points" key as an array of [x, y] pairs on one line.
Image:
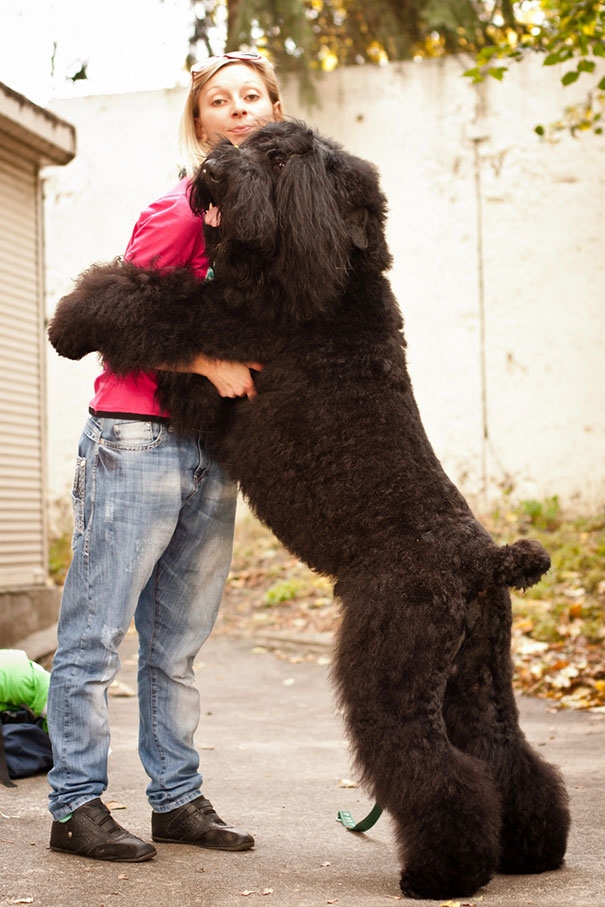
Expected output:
{"points": [[244, 55]]}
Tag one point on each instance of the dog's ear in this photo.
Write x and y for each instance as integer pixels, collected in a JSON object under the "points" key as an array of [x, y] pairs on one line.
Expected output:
{"points": [[359, 188], [356, 222]]}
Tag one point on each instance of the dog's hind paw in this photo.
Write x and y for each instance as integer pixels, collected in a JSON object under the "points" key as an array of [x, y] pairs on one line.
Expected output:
{"points": [[423, 886], [536, 820]]}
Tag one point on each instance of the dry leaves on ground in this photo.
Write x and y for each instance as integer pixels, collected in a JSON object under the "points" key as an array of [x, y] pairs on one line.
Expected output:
{"points": [[558, 626]]}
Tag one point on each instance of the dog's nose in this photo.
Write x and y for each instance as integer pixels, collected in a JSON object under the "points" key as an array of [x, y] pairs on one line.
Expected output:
{"points": [[209, 168]]}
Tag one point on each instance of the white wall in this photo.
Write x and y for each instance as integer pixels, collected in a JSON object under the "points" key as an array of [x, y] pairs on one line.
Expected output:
{"points": [[498, 259]]}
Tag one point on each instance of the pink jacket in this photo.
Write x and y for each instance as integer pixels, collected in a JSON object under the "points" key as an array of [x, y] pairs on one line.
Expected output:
{"points": [[167, 235]]}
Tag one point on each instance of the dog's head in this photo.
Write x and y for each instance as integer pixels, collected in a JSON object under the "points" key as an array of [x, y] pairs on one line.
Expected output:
{"points": [[297, 212]]}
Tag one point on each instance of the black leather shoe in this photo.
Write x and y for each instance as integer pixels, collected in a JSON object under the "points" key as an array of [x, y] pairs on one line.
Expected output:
{"points": [[197, 823], [92, 832]]}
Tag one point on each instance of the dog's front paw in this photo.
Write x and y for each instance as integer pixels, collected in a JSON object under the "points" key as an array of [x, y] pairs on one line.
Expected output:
{"points": [[70, 343]]}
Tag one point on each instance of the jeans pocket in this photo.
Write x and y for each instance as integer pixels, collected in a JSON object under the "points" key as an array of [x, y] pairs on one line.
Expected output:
{"points": [[132, 435], [77, 499]]}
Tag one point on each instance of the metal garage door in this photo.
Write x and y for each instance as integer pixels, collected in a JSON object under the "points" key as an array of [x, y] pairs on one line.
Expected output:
{"points": [[22, 525]]}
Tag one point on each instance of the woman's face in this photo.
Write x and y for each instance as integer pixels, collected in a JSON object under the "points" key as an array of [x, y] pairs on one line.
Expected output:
{"points": [[233, 104]]}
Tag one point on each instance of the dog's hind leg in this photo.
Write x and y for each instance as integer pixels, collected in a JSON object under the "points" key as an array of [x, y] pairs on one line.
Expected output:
{"points": [[394, 653], [483, 720]]}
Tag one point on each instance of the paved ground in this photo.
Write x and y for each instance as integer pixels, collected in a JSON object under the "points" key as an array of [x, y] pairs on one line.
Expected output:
{"points": [[273, 758]]}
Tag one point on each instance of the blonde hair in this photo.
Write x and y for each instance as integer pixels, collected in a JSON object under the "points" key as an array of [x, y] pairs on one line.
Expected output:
{"points": [[193, 150]]}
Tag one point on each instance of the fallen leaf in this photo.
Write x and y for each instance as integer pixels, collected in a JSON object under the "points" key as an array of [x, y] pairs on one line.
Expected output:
{"points": [[525, 646], [122, 875], [247, 891], [267, 891], [117, 688], [346, 782], [114, 804]]}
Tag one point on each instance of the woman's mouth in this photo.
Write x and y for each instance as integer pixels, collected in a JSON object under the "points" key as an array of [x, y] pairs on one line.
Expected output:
{"points": [[241, 130]]}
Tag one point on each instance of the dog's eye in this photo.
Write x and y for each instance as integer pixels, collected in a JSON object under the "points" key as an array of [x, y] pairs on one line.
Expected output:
{"points": [[277, 158]]}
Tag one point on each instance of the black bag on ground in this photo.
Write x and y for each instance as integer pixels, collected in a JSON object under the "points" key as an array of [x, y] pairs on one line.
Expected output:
{"points": [[24, 746]]}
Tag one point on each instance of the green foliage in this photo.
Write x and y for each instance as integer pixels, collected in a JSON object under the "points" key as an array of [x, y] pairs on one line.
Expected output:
{"points": [[542, 514], [59, 556], [566, 33], [283, 591], [306, 37], [570, 600], [59, 541]]}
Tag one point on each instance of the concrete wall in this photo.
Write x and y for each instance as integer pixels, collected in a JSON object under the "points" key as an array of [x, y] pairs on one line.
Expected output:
{"points": [[497, 242], [28, 617]]}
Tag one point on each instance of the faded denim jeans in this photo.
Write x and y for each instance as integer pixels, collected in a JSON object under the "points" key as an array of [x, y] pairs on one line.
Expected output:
{"points": [[153, 536]]}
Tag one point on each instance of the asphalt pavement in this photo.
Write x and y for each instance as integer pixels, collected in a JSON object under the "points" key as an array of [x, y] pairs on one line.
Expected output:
{"points": [[276, 763]]}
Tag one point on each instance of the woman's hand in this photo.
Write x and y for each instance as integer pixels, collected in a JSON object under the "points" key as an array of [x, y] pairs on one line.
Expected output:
{"points": [[231, 379]]}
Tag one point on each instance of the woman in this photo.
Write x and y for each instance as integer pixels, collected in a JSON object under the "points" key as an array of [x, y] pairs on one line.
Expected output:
{"points": [[153, 533]]}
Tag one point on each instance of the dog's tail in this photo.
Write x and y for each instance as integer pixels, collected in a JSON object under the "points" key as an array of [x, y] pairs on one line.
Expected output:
{"points": [[520, 565]]}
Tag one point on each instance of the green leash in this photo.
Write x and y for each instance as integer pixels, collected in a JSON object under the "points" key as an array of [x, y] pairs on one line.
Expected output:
{"points": [[349, 822]]}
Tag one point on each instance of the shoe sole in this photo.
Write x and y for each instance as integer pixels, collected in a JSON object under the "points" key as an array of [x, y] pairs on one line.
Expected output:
{"points": [[238, 847], [141, 859]]}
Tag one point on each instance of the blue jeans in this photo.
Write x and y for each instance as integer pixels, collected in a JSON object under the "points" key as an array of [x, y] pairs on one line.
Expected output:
{"points": [[153, 536]]}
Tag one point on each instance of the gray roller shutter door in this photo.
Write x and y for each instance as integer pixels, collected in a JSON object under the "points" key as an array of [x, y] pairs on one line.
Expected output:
{"points": [[22, 509]]}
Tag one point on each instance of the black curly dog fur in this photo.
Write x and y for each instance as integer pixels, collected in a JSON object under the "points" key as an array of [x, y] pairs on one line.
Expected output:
{"points": [[333, 457]]}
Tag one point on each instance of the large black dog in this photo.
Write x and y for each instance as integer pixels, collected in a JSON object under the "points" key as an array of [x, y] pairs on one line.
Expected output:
{"points": [[332, 455]]}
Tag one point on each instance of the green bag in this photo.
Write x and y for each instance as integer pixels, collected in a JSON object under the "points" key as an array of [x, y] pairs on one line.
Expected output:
{"points": [[22, 682]]}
